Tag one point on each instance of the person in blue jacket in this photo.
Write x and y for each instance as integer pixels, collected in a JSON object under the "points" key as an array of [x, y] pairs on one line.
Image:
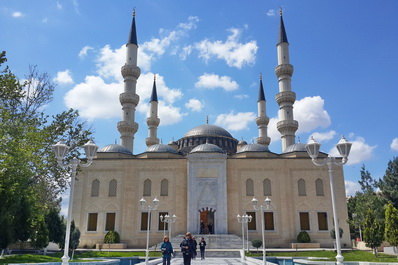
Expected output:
{"points": [[167, 250]]}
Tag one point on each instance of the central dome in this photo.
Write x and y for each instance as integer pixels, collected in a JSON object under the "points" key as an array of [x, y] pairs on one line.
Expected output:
{"points": [[210, 134], [207, 130]]}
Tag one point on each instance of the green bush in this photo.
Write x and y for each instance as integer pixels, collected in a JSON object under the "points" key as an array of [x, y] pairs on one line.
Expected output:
{"points": [[112, 237], [256, 243], [303, 237]]}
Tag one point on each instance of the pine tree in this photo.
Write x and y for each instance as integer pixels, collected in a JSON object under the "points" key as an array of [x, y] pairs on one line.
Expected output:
{"points": [[389, 184]]}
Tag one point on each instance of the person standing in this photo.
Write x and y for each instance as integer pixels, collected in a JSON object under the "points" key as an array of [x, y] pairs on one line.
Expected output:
{"points": [[195, 245], [202, 246], [167, 250], [187, 248]]}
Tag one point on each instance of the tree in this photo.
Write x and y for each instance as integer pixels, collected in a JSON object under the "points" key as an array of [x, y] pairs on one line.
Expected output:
{"points": [[303, 237], [30, 179], [56, 226], [389, 184], [74, 239], [39, 239], [256, 243], [391, 227], [373, 233]]}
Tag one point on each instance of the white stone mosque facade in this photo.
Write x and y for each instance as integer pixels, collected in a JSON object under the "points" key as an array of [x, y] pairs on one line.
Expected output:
{"points": [[207, 175]]}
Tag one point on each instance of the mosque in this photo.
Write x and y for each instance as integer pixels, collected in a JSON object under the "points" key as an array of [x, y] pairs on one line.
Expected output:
{"points": [[207, 176]]}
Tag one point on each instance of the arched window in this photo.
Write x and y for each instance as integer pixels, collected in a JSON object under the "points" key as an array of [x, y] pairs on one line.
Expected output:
{"points": [[267, 187], [249, 187], [319, 187], [147, 187], [95, 187], [112, 188], [164, 188], [302, 190]]}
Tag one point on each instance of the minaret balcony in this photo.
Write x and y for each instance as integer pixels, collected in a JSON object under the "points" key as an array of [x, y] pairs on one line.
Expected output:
{"points": [[129, 98], [264, 140], [262, 120], [287, 127], [153, 121], [285, 97], [127, 129], [284, 69], [130, 70]]}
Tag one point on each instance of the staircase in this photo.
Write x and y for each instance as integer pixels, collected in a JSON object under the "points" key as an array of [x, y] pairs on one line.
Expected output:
{"points": [[226, 245]]}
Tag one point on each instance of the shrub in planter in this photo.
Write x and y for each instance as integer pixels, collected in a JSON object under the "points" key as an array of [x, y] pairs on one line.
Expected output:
{"points": [[256, 243], [303, 237], [112, 237]]}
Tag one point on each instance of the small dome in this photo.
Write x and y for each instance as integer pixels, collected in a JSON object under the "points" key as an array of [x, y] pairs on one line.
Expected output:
{"points": [[207, 148], [161, 148], [207, 130], [242, 142], [299, 147], [114, 148], [253, 148]]}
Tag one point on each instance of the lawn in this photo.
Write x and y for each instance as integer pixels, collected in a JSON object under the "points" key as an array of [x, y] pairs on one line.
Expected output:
{"points": [[56, 257], [354, 255]]}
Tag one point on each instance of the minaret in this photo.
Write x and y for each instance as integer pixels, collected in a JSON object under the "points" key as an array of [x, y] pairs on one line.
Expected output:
{"points": [[129, 99], [262, 120], [153, 120], [287, 126]]}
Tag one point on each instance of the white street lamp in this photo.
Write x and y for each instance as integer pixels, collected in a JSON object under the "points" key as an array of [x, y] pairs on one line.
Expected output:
{"points": [[261, 209], [148, 207], [244, 219], [169, 220], [247, 232], [60, 149], [344, 148]]}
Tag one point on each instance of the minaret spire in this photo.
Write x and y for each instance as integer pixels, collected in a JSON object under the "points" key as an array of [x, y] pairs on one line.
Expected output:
{"points": [[153, 120], [129, 99], [262, 120], [287, 126]]}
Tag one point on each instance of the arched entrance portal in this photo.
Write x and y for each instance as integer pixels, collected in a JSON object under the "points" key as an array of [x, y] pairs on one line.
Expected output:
{"points": [[206, 220]]}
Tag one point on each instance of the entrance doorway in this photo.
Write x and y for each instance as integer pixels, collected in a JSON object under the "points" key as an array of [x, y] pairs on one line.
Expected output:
{"points": [[206, 218]]}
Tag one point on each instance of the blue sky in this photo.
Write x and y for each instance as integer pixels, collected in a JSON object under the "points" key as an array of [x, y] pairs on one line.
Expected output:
{"points": [[208, 56]]}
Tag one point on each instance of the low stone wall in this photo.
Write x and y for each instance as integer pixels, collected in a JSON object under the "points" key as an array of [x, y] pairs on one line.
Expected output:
{"points": [[305, 245], [111, 246]]}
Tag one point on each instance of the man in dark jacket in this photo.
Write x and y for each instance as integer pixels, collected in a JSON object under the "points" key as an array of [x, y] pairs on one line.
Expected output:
{"points": [[187, 248]]}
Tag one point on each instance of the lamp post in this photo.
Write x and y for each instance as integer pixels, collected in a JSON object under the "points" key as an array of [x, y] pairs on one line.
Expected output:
{"points": [[60, 149], [145, 206], [244, 219], [169, 220], [247, 232], [261, 209], [344, 148]]}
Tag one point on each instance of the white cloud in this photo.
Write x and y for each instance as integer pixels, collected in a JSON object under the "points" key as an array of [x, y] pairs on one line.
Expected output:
{"points": [[17, 14], [194, 105], [191, 24], [212, 81], [235, 54], [64, 77], [271, 13], [351, 187], [59, 5], [109, 62], [84, 50], [273, 132], [241, 96], [310, 114], [76, 6], [394, 144], [235, 122], [360, 151], [323, 137], [186, 51]]}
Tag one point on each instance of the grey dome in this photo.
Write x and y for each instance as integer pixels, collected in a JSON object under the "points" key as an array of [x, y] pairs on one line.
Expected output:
{"points": [[207, 130], [299, 147], [242, 142], [253, 148], [161, 148], [207, 148], [114, 148]]}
